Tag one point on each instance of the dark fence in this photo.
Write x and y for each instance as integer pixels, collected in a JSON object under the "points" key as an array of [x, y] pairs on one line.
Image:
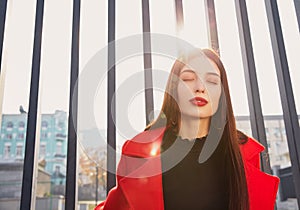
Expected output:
{"points": [[290, 178]]}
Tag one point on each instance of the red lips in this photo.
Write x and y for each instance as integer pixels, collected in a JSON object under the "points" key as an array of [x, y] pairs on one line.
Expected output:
{"points": [[199, 101]]}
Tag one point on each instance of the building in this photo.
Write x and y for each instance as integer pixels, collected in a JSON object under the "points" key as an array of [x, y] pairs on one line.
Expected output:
{"points": [[52, 147], [276, 138], [11, 180], [11, 175]]}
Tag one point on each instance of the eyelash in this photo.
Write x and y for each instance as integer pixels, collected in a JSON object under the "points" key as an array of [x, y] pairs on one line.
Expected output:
{"points": [[189, 79], [212, 82], [192, 79]]}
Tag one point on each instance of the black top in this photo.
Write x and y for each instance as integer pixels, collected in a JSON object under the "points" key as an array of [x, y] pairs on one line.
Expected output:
{"points": [[187, 184]]}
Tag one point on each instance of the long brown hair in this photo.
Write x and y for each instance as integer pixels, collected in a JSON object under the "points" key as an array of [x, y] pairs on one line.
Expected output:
{"points": [[170, 117]]}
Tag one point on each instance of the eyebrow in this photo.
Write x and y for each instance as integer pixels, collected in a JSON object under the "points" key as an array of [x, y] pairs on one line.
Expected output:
{"points": [[214, 74], [192, 71]]}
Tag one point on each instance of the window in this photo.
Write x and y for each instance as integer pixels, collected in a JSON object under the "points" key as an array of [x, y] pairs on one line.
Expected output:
{"points": [[61, 136], [57, 169], [9, 136], [21, 125], [58, 148], [44, 125], [7, 150], [44, 135], [277, 132], [60, 125], [43, 149], [21, 136], [9, 126], [19, 150]]}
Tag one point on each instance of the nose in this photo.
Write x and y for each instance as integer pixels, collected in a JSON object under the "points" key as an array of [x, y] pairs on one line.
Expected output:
{"points": [[199, 86]]}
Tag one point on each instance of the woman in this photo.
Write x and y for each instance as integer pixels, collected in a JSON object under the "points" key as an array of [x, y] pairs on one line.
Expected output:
{"points": [[192, 156]]}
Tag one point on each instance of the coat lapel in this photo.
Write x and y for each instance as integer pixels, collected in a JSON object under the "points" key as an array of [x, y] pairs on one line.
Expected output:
{"points": [[262, 187], [142, 181]]}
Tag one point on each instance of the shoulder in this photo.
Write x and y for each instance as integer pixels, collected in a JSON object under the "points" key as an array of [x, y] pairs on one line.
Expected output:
{"points": [[250, 151], [262, 187], [145, 144]]}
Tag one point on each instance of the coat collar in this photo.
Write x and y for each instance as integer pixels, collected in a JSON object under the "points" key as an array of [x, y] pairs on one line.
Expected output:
{"points": [[147, 144], [250, 152]]}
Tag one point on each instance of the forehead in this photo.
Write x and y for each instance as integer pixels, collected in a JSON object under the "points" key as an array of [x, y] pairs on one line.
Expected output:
{"points": [[201, 65]]}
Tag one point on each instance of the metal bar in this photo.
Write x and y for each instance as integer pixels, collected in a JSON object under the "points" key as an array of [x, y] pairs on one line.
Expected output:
{"points": [[256, 116], [3, 7], [285, 88], [179, 15], [179, 23], [111, 104], [297, 8], [286, 175], [212, 24], [147, 61], [3, 60], [97, 183], [71, 182], [29, 167]]}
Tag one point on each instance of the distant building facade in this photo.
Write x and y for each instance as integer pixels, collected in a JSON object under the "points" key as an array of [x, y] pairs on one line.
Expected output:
{"points": [[11, 180], [11, 187], [276, 137], [52, 147]]}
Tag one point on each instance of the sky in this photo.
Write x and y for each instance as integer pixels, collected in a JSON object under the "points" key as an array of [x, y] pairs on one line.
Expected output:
{"points": [[56, 45]]}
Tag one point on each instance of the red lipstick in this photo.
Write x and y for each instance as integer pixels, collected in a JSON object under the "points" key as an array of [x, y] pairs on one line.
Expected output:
{"points": [[199, 101]]}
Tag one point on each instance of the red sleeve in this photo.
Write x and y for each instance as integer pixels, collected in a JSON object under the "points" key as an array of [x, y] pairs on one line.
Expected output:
{"points": [[115, 201]]}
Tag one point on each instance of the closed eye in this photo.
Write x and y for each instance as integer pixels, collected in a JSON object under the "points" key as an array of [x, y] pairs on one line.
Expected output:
{"points": [[213, 79], [188, 79], [188, 76]]}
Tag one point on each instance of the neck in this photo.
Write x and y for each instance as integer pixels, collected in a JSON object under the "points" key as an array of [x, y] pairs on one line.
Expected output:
{"points": [[193, 127]]}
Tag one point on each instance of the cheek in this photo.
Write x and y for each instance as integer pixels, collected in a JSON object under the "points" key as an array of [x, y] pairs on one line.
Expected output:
{"points": [[214, 95], [183, 91]]}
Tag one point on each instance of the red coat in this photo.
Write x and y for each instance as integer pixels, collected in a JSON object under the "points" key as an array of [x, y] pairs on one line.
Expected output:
{"points": [[139, 179]]}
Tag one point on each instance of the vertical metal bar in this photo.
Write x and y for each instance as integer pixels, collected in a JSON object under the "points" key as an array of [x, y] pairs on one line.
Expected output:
{"points": [[111, 104], [30, 157], [212, 24], [179, 24], [297, 8], [179, 15], [97, 183], [286, 91], [3, 7], [3, 64], [256, 116], [71, 182], [147, 61]]}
